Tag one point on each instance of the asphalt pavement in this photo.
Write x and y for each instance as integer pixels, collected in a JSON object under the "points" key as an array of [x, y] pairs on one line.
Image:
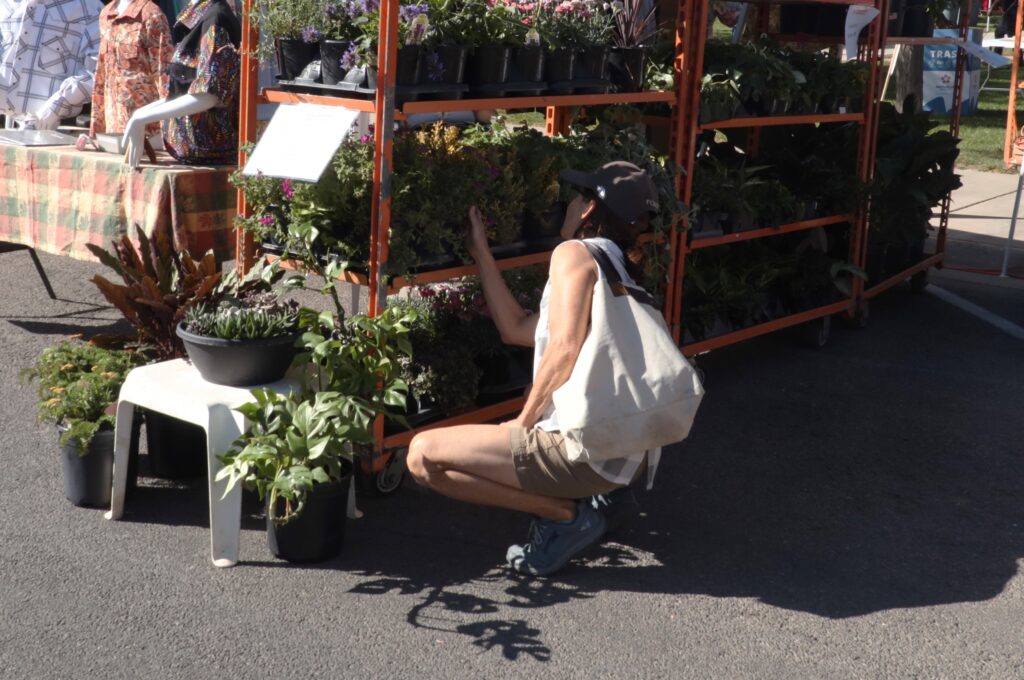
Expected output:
{"points": [[849, 512]]}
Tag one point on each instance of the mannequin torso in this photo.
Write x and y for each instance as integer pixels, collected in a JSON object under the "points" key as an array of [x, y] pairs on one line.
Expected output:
{"points": [[207, 35]]}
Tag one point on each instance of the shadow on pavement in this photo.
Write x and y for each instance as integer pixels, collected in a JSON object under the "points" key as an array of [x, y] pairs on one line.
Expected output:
{"points": [[870, 477]]}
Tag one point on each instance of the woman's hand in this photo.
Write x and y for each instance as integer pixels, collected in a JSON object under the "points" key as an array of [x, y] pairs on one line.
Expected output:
{"points": [[476, 239]]}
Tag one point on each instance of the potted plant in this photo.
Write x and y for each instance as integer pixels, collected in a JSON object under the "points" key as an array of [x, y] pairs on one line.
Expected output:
{"points": [[298, 451], [635, 27], [158, 286], [598, 24], [493, 29], [248, 335], [719, 97], [446, 45], [563, 28], [78, 384], [297, 455], [291, 31], [342, 22]]}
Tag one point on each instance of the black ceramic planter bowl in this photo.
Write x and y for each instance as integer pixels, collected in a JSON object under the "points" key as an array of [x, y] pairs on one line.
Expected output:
{"points": [[293, 55], [87, 478], [239, 363], [318, 532]]}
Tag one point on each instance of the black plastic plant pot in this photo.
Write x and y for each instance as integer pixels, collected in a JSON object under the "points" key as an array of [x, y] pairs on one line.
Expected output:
{"points": [[916, 21], [408, 70], [331, 52], [592, 62], [177, 449], [87, 479], [560, 65], [239, 363], [626, 68], [797, 18], [491, 64], [830, 20], [528, 63], [293, 55], [444, 65], [318, 532], [897, 10]]}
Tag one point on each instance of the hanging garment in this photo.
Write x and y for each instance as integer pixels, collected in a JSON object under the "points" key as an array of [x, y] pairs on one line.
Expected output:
{"points": [[135, 48], [206, 60], [48, 51]]}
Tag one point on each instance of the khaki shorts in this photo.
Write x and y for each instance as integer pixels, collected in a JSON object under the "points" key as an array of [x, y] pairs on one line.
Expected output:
{"points": [[544, 469]]}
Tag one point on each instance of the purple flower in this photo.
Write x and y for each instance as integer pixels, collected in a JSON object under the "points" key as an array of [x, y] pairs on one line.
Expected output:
{"points": [[287, 189], [334, 10], [310, 34], [435, 67], [349, 59], [493, 171], [409, 12], [267, 220]]}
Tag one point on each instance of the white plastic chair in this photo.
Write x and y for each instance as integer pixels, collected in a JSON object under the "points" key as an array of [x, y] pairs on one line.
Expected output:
{"points": [[176, 389]]}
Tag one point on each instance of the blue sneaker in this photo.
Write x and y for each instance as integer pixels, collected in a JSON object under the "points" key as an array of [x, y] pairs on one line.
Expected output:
{"points": [[553, 544], [618, 507]]}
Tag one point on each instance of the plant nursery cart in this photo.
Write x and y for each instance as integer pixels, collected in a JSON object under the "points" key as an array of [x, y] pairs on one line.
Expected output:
{"points": [[685, 126]]}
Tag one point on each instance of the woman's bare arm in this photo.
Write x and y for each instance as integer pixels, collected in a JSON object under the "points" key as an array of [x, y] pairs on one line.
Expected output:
{"points": [[515, 324]]}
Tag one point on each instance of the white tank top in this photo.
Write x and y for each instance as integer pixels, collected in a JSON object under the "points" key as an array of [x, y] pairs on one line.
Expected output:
{"points": [[616, 470]]}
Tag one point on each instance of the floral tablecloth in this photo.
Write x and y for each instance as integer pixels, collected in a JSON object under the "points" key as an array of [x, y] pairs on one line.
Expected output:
{"points": [[57, 199]]}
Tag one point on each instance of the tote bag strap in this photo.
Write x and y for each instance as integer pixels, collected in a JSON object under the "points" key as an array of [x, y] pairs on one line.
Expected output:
{"points": [[611, 275]]}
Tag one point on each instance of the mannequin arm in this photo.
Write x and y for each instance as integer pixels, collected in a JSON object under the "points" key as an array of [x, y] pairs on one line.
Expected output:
{"points": [[162, 109]]}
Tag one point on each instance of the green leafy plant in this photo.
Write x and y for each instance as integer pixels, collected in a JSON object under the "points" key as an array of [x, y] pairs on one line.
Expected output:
{"points": [[284, 19], [159, 285], [78, 382], [294, 442], [914, 171]]}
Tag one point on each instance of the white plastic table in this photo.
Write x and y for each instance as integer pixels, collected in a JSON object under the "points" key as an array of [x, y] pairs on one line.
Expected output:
{"points": [[176, 389]]}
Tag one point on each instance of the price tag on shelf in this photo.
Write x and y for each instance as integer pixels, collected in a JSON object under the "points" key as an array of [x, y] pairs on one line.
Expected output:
{"points": [[857, 18], [300, 141]]}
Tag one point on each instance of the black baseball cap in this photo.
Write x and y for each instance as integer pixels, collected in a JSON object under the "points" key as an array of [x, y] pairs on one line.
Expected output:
{"points": [[626, 190]]}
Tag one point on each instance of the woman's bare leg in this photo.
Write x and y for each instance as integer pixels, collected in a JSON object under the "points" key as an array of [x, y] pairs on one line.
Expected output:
{"points": [[473, 463]]}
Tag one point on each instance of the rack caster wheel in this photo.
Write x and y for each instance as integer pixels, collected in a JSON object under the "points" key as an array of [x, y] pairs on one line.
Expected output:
{"points": [[859, 318], [815, 334], [386, 482], [919, 281]]}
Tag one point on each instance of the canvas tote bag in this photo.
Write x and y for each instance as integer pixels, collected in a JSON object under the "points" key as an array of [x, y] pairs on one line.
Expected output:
{"points": [[631, 389]]}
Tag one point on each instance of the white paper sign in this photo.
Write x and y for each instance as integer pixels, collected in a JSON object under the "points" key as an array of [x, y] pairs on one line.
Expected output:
{"points": [[857, 18], [987, 56], [300, 141]]}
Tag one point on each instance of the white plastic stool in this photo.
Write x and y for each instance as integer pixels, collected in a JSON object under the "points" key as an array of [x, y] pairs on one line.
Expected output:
{"points": [[176, 389]]}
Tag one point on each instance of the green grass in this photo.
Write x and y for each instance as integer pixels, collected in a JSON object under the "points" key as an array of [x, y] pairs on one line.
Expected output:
{"points": [[983, 132]]}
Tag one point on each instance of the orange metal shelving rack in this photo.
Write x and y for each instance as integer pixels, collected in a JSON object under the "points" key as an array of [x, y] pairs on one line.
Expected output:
{"points": [[917, 272], [385, 112], [870, 51]]}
